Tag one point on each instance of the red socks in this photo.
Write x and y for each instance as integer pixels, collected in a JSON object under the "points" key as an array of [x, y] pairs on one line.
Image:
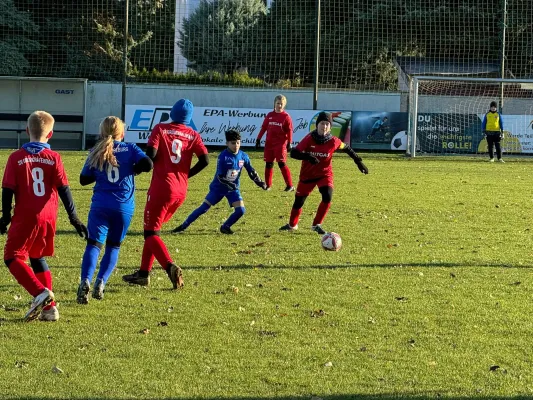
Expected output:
{"points": [[269, 172], [46, 279], [323, 209], [157, 248], [286, 172], [26, 277], [295, 216], [147, 259]]}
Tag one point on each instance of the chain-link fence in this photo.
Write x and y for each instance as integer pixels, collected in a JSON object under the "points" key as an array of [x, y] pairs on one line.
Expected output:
{"points": [[362, 44]]}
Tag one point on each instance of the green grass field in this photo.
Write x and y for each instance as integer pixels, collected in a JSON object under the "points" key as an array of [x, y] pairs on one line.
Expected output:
{"points": [[430, 296]]}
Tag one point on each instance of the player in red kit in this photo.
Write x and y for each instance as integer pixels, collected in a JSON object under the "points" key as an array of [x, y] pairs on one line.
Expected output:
{"points": [[278, 127], [35, 176], [316, 151], [171, 146]]}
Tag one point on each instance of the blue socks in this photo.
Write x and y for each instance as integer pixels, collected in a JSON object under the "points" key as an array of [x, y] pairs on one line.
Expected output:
{"points": [[235, 216], [204, 207], [108, 263], [88, 264]]}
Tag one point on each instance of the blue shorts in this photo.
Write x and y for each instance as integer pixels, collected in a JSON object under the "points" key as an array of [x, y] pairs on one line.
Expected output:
{"points": [[108, 224], [214, 196]]}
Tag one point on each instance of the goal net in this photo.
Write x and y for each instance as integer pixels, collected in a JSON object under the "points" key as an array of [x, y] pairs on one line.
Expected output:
{"points": [[446, 114]]}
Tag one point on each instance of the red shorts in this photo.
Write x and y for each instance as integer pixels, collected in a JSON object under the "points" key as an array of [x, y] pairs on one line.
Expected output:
{"points": [[158, 211], [34, 240], [305, 189], [275, 153]]}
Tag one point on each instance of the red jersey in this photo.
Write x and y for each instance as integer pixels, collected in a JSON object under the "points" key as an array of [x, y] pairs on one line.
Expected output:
{"points": [[278, 127], [324, 152], [175, 144], [35, 178]]}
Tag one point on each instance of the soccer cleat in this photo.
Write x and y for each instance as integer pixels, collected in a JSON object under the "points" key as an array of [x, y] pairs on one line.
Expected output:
{"points": [[40, 301], [176, 276], [288, 228], [269, 188], [83, 292], [500, 160], [98, 290], [289, 189], [318, 229], [491, 160], [179, 229], [49, 314], [137, 279], [225, 230]]}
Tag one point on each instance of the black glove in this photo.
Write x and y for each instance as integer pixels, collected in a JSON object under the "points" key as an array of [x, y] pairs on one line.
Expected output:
{"points": [[4, 222], [312, 159], [80, 228], [362, 167], [257, 143]]}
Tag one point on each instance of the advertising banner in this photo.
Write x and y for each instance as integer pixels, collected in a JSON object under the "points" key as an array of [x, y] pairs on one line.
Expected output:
{"points": [[212, 122], [379, 130]]}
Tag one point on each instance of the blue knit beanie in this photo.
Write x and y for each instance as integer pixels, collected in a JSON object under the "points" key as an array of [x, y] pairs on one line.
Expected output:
{"points": [[181, 112]]}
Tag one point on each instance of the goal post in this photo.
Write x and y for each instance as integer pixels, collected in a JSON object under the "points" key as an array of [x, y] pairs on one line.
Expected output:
{"points": [[446, 114]]}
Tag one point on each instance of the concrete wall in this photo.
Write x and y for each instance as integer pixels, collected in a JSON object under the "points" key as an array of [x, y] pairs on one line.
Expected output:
{"points": [[104, 99]]}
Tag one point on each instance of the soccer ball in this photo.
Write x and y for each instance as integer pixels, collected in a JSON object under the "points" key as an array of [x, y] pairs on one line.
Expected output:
{"points": [[399, 141], [331, 241]]}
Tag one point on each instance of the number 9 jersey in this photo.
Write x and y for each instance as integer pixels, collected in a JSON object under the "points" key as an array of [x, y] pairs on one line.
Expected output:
{"points": [[175, 144], [35, 177]]}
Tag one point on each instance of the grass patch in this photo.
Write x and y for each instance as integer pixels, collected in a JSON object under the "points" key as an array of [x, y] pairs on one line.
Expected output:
{"points": [[431, 290]]}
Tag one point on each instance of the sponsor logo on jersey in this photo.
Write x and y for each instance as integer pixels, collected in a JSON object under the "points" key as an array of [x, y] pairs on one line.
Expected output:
{"points": [[317, 154]]}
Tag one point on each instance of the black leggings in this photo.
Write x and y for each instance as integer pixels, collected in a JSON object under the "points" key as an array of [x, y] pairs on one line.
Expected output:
{"points": [[325, 191], [494, 140]]}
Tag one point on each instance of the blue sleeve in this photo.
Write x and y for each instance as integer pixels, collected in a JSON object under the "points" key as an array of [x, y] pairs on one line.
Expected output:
{"points": [[138, 154], [87, 171], [221, 166], [484, 123], [247, 162], [501, 122]]}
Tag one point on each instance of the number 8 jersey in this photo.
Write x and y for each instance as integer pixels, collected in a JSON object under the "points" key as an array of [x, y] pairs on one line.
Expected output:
{"points": [[34, 173], [175, 144]]}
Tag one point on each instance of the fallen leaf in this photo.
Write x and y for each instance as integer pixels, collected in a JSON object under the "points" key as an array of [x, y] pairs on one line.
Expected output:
{"points": [[401, 298], [494, 367], [57, 370], [17, 297], [235, 289], [328, 364], [242, 309], [317, 313], [21, 364], [145, 331], [163, 323]]}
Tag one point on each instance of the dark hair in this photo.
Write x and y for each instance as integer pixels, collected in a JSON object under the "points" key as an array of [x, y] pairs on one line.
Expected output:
{"points": [[493, 104], [232, 135]]}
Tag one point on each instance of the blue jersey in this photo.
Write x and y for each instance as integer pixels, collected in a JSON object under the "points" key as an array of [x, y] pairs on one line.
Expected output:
{"points": [[229, 166], [378, 124], [115, 187]]}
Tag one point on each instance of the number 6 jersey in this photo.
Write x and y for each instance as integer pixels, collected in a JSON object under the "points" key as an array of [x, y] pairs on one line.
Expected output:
{"points": [[34, 173], [115, 186], [175, 144]]}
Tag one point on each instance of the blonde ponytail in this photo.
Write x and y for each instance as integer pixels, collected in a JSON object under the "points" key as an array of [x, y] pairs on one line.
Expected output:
{"points": [[111, 128]]}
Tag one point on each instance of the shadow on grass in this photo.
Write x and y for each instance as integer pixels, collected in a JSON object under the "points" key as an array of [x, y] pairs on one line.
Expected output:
{"points": [[186, 267], [348, 396]]}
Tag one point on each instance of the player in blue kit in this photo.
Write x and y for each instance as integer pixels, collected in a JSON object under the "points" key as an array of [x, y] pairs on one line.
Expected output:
{"points": [[112, 165], [226, 184]]}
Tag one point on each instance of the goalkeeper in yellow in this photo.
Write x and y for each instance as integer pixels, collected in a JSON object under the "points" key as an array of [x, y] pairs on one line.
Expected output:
{"points": [[492, 127]]}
